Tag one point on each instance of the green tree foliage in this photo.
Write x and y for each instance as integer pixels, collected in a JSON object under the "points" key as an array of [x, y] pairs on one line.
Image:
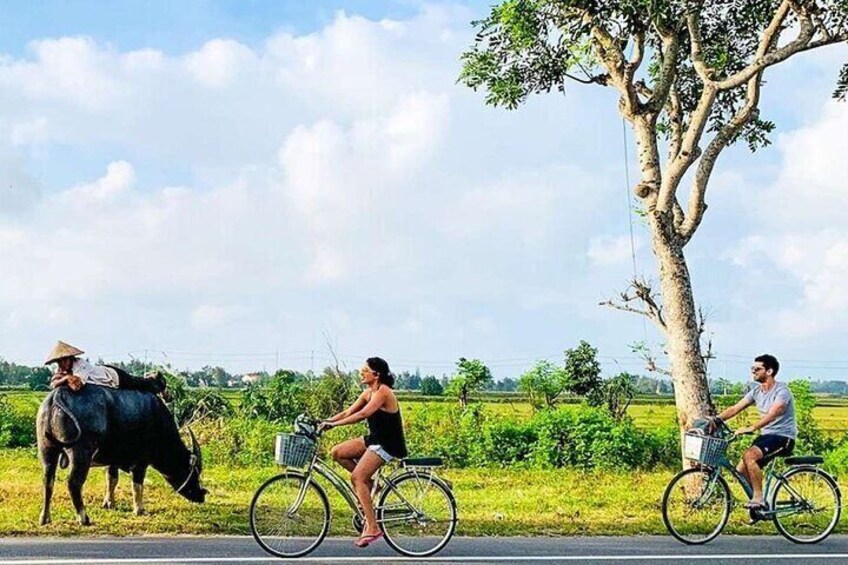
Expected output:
{"points": [[618, 393], [193, 405], [506, 384], [535, 46], [280, 399], [331, 392], [471, 376], [431, 386], [543, 384], [583, 372], [39, 379], [688, 76], [810, 438], [17, 427], [14, 375], [408, 381]]}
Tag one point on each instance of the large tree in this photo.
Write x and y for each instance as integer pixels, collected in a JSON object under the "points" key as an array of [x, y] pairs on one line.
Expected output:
{"points": [[688, 75]]}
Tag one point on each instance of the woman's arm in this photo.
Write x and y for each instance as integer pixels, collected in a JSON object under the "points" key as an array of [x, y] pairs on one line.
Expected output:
{"points": [[378, 399], [357, 404]]}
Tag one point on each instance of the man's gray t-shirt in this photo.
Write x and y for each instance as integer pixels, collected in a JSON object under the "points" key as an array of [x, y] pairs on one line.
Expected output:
{"points": [[785, 424]]}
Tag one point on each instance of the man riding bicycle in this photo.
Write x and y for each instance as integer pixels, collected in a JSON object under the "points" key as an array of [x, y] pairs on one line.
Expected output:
{"points": [[776, 406]]}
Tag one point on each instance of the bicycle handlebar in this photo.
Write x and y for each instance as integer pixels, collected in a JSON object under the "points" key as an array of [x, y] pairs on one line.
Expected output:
{"points": [[730, 434]]}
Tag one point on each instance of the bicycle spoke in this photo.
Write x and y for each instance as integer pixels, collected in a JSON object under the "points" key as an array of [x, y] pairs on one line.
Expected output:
{"points": [[288, 516], [696, 505], [417, 515], [806, 506]]}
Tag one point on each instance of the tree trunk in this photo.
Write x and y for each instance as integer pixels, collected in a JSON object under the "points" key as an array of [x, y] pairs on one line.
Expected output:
{"points": [[688, 369]]}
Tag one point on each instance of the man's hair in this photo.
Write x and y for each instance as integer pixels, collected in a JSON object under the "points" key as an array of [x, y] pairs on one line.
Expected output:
{"points": [[769, 362]]}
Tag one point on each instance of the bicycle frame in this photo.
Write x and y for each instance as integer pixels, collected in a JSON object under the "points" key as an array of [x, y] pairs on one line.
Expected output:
{"points": [[319, 467], [771, 480]]}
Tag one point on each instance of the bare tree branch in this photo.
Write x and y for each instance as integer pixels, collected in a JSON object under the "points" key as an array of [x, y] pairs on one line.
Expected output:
{"points": [[617, 66], [641, 291], [675, 118], [803, 42], [663, 86], [693, 23], [697, 203], [689, 150], [651, 365]]}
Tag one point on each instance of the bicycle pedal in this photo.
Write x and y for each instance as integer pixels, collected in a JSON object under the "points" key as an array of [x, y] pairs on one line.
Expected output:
{"points": [[754, 516]]}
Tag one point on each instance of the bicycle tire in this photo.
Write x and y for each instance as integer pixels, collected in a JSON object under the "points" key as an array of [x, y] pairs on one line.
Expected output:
{"points": [[724, 506], [396, 538], [259, 508], [775, 503]]}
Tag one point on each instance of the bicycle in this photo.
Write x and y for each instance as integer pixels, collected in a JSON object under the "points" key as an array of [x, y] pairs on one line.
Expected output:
{"points": [[416, 509], [804, 502]]}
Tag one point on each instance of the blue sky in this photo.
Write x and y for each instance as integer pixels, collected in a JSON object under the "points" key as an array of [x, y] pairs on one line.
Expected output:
{"points": [[240, 183]]}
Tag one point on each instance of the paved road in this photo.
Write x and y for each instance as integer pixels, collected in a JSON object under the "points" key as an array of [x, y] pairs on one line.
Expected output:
{"points": [[520, 551]]}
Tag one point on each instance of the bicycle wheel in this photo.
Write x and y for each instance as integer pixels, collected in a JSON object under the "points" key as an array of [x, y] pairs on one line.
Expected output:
{"points": [[696, 506], [807, 505], [417, 515], [289, 517]]}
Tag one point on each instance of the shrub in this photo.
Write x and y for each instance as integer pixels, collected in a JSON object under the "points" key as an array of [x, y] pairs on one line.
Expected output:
{"points": [[810, 437], [330, 393], [837, 459], [189, 405], [238, 441], [17, 425], [587, 438], [508, 442], [281, 399], [447, 431], [543, 384], [430, 386]]}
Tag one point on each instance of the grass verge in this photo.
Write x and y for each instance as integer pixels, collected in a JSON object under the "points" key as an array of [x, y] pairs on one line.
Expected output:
{"points": [[491, 502]]}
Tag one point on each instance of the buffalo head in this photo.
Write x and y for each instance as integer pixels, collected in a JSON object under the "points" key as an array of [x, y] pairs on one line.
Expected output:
{"points": [[190, 487]]}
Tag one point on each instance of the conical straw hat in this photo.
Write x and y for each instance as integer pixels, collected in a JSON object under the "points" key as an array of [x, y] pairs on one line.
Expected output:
{"points": [[62, 349]]}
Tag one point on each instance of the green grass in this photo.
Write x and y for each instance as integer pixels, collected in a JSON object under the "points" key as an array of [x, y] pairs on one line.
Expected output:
{"points": [[490, 502], [832, 420]]}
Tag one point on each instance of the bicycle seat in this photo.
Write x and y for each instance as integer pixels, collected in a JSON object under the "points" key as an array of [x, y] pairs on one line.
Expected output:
{"points": [[422, 462], [808, 460]]}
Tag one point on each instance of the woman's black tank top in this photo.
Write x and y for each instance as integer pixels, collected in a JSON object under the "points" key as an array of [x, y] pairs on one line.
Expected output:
{"points": [[386, 429]]}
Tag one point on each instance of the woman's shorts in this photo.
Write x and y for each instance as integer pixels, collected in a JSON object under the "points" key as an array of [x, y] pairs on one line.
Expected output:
{"points": [[384, 455]]}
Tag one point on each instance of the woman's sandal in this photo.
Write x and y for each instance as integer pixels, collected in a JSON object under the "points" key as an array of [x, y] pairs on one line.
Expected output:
{"points": [[755, 505], [365, 541]]}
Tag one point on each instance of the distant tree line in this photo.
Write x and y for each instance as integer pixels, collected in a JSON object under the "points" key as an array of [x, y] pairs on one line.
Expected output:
{"points": [[469, 376]]}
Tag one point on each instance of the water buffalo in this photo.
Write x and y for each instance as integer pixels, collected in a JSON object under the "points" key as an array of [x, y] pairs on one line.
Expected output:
{"points": [[126, 429]]}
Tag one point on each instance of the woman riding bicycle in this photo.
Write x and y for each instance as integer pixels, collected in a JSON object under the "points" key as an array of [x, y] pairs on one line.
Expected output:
{"points": [[362, 456]]}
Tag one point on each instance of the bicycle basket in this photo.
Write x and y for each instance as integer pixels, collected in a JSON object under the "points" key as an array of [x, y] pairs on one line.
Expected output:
{"points": [[705, 449], [293, 450]]}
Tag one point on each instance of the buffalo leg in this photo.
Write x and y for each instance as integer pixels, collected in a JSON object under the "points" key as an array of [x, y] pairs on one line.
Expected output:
{"points": [[138, 474], [80, 464], [49, 461], [111, 483]]}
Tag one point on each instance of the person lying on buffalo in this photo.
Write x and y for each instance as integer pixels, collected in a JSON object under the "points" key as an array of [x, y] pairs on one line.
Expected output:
{"points": [[77, 372]]}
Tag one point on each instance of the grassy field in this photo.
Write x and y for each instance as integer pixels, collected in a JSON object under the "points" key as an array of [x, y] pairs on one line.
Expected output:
{"points": [[490, 501], [831, 414], [832, 420]]}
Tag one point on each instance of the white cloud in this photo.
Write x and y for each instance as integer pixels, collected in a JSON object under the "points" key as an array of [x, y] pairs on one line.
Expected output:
{"points": [[69, 68], [799, 228], [31, 132], [218, 63], [207, 317], [120, 177], [612, 250], [249, 198]]}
